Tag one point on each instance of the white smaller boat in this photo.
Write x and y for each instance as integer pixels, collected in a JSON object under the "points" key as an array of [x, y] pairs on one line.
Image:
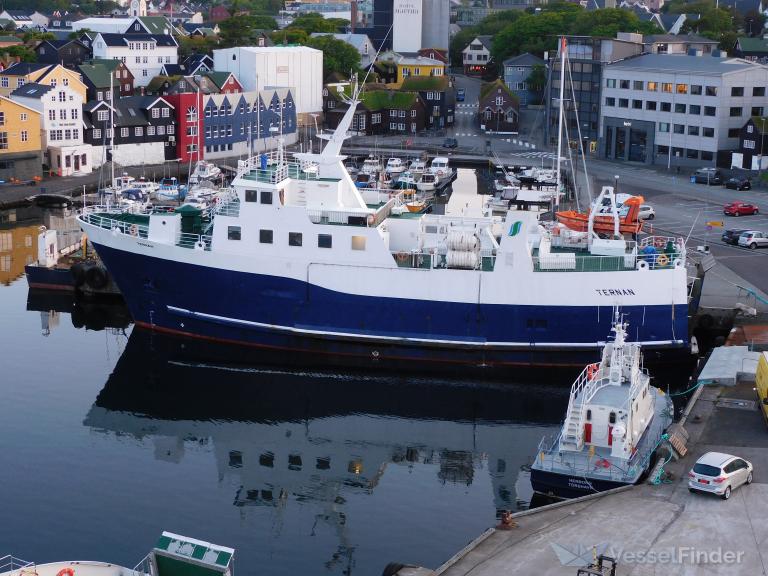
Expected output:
{"points": [[417, 167], [406, 181], [427, 182], [169, 189], [371, 165], [440, 168], [204, 170], [395, 166]]}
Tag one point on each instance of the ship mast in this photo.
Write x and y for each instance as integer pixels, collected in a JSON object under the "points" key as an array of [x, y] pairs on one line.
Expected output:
{"points": [[112, 123], [560, 120]]}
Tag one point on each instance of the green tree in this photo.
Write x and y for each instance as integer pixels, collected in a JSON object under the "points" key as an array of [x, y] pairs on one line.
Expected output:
{"points": [[26, 53], [289, 36], [33, 36], [608, 22], [240, 30], [313, 22], [537, 81], [196, 45], [533, 33], [338, 56]]}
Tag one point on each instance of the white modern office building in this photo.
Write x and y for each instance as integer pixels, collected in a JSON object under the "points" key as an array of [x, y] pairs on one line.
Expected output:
{"points": [[678, 110], [299, 68]]}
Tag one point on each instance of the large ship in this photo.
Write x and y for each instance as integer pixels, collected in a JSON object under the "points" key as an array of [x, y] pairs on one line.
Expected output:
{"points": [[298, 258]]}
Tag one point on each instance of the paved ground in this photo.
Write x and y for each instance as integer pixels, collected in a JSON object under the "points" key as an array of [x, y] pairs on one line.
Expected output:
{"points": [[652, 529]]}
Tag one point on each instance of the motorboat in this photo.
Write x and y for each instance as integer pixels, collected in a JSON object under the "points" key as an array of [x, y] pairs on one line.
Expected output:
{"points": [[204, 170], [417, 166], [427, 182], [371, 165], [395, 166], [169, 189]]}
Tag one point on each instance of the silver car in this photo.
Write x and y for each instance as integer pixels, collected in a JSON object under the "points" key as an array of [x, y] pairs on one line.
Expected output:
{"points": [[753, 239], [719, 474]]}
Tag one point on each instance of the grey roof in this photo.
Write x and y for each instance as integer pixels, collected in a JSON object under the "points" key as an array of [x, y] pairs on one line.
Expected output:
{"points": [[19, 14], [700, 65], [356, 40], [486, 41], [111, 39], [173, 70], [32, 90], [668, 20], [24, 68], [526, 59], [677, 39]]}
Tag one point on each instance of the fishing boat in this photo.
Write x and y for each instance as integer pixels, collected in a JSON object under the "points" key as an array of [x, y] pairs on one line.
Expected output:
{"points": [[613, 425], [440, 168], [427, 182], [395, 166], [406, 181], [604, 215], [371, 165], [204, 170], [169, 189], [367, 179], [309, 262], [173, 555]]}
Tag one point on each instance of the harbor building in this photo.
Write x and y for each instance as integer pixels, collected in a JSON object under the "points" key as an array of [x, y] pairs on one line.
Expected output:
{"points": [[143, 54], [298, 68], [517, 70], [54, 75], [61, 124], [20, 144], [679, 110]]}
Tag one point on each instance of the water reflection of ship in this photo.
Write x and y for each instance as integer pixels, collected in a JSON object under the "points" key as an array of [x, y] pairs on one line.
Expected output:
{"points": [[84, 313], [318, 437]]}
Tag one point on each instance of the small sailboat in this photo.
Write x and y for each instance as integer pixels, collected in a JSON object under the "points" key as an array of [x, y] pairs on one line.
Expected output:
{"points": [[613, 425]]}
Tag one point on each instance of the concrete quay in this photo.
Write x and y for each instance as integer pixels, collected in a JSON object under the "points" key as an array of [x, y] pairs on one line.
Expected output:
{"points": [[650, 529]]}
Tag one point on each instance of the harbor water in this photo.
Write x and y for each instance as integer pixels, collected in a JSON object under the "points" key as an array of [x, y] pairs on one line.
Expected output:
{"points": [[110, 435]]}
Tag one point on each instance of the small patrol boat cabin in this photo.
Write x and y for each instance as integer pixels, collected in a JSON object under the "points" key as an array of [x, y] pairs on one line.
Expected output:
{"points": [[613, 425]]}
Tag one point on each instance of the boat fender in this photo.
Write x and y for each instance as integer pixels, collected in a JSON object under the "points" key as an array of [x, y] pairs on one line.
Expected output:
{"points": [[677, 262], [134, 230], [78, 274], [662, 260], [642, 265], [282, 197], [96, 277], [371, 219], [199, 245], [66, 572]]}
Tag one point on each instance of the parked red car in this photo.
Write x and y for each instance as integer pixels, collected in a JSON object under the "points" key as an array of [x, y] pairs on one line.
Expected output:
{"points": [[740, 209]]}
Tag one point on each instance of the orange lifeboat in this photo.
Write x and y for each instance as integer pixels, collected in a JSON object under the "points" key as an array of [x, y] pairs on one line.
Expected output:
{"points": [[603, 223]]}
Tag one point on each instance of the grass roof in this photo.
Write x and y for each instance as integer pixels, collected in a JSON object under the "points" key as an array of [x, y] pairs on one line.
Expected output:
{"points": [[383, 99], [489, 87], [421, 83]]}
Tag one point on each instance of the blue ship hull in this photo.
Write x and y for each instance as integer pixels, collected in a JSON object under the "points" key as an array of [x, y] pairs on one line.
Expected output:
{"points": [[286, 314]]}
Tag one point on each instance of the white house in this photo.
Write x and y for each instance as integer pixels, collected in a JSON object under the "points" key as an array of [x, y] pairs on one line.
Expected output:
{"points": [[61, 118], [360, 42], [476, 56], [297, 67], [143, 54]]}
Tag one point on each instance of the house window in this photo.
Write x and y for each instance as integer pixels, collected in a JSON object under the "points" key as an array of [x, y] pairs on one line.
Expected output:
{"points": [[358, 242], [666, 107], [166, 112], [393, 125], [402, 113], [96, 134], [413, 113], [711, 91], [624, 84], [710, 111], [680, 108], [67, 134], [694, 109], [758, 91], [650, 105], [191, 130], [138, 131], [191, 114], [294, 238], [155, 113], [150, 130], [499, 100], [736, 111], [234, 233], [401, 126], [4, 81], [679, 129], [610, 83], [62, 114], [24, 135], [265, 236], [3, 140], [663, 127], [637, 104], [750, 144], [102, 115], [20, 82], [124, 132], [191, 148], [623, 103], [681, 88], [693, 130], [2, 118], [324, 241], [737, 91], [709, 132], [376, 118], [666, 87], [170, 129], [637, 85], [757, 111], [62, 96], [144, 72], [75, 113]]}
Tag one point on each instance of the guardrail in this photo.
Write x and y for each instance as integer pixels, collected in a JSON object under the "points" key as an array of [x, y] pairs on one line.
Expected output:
{"points": [[126, 227], [195, 241], [10, 563]]}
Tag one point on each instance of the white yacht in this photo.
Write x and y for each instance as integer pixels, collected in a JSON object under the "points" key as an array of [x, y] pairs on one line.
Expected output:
{"points": [[440, 168], [395, 166], [204, 170], [417, 166]]}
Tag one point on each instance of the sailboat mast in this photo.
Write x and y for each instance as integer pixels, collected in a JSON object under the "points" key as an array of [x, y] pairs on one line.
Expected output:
{"points": [[112, 123], [560, 120]]}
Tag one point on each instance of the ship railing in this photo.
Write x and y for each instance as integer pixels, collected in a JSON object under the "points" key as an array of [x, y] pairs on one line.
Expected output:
{"points": [[581, 463], [10, 563], [427, 259], [119, 225], [229, 206], [342, 217], [195, 241], [144, 567], [675, 244]]}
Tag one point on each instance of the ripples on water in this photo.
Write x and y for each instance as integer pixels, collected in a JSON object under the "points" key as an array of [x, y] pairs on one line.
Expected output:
{"points": [[106, 439]]}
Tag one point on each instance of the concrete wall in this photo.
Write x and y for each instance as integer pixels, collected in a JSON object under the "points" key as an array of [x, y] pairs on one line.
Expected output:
{"points": [[132, 154]]}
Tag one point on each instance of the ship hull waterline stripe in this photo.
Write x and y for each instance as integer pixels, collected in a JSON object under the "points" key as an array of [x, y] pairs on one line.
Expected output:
{"points": [[402, 339]]}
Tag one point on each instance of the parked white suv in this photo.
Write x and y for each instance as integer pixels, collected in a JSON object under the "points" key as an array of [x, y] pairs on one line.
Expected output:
{"points": [[719, 473]]}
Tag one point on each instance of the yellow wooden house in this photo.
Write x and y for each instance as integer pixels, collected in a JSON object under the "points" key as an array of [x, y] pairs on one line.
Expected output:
{"points": [[50, 74], [21, 156], [409, 67]]}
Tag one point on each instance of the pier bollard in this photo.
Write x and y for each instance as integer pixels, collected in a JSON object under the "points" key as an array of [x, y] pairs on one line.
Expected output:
{"points": [[507, 523]]}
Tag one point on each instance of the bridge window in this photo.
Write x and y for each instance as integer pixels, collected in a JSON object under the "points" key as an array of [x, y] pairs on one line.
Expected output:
{"points": [[589, 414], [294, 462], [358, 242], [265, 236], [294, 238], [267, 459], [612, 418], [266, 197], [324, 241], [251, 195], [233, 233], [323, 464]]}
